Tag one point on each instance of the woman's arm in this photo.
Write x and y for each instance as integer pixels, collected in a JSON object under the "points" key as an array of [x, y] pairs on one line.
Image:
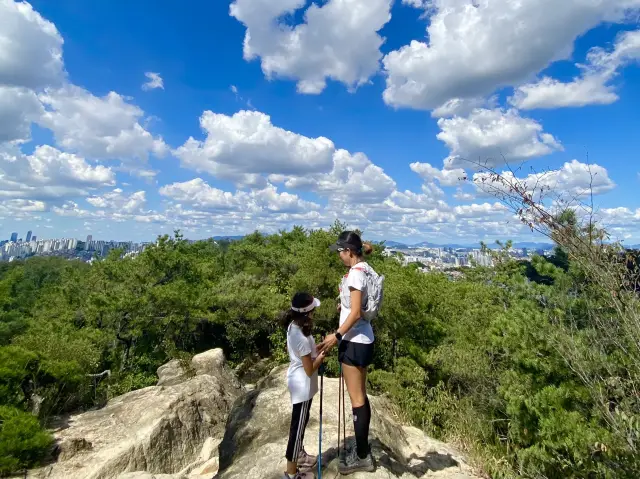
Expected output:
{"points": [[311, 366]]}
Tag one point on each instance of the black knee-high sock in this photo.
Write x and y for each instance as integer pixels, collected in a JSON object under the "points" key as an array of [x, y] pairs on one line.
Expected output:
{"points": [[361, 421]]}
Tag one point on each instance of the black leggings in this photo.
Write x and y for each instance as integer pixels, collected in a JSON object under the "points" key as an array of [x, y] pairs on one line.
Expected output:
{"points": [[299, 421]]}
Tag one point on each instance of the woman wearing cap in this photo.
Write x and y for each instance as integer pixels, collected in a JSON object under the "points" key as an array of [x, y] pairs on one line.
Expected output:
{"points": [[302, 380], [355, 341]]}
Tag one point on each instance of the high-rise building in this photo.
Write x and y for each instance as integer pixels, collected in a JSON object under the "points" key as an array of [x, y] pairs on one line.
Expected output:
{"points": [[87, 246], [14, 237], [28, 236], [34, 238]]}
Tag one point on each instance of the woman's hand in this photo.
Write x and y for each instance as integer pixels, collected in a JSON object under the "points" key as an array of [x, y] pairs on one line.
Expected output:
{"points": [[328, 343]]}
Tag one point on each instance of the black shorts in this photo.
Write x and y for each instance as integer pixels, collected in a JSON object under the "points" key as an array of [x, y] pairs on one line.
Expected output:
{"points": [[355, 354]]}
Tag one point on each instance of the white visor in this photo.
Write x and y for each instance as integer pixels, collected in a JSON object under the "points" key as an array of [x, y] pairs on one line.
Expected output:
{"points": [[306, 309]]}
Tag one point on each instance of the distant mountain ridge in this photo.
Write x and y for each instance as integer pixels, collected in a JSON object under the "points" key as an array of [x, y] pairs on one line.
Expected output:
{"points": [[228, 238]]}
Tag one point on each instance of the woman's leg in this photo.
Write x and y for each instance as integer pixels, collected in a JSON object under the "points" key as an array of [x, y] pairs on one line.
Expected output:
{"points": [[296, 432], [356, 381]]}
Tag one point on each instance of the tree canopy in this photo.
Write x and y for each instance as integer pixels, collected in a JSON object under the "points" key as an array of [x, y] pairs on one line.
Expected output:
{"points": [[513, 363]]}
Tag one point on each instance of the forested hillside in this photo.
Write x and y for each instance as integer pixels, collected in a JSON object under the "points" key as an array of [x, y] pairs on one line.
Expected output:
{"points": [[530, 367]]}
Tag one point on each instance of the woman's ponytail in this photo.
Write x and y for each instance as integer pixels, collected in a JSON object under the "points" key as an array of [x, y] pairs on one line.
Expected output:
{"points": [[367, 249]]}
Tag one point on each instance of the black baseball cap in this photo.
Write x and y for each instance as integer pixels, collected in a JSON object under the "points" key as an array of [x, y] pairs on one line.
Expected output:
{"points": [[340, 245], [348, 240]]}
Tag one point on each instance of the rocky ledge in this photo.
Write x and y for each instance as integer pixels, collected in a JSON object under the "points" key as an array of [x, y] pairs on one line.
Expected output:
{"points": [[204, 424]]}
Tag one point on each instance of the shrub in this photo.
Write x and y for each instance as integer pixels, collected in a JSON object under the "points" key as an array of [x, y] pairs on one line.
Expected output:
{"points": [[23, 443]]}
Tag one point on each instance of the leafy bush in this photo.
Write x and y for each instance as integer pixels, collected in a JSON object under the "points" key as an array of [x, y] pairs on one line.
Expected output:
{"points": [[22, 441]]}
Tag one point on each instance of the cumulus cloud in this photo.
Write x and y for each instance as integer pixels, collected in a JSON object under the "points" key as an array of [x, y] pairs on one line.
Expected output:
{"points": [[338, 39], [113, 206], [462, 195], [30, 47], [354, 178], [100, 128], [243, 147], [573, 181], [199, 194], [408, 200], [493, 138], [48, 173], [458, 107], [473, 48], [19, 108], [20, 208], [72, 209], [445, 177], [119, 201], [621, 216], [416, 3], [592, 87], [154, 81]]}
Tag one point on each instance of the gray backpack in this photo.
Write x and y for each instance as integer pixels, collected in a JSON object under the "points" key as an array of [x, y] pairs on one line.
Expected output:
{"points": [[375, 288]]}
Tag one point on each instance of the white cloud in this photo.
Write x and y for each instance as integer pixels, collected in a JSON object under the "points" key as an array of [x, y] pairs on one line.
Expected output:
{"points": [[417, 3], [462, 195], [477, 47], [458, 107], [593, 87], [621, 216], [409, 200], [451, 177], [621, 223], [114, 206], [493, 138], [48, 173], [71, 208], [21, 208], [117, 200], [199, 194], [245, 146], [19, 107], [155, 81], [99, 128], [30, 47], [354, 178], [575, 180], [550, 93], [480, 210], [338, 40]]}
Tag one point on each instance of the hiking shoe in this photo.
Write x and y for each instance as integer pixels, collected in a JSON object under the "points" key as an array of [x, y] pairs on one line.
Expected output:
{"points": [[353, 463], [306, 461], [299, 475]]}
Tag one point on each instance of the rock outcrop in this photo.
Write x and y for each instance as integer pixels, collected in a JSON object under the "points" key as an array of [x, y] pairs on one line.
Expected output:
{"points": [[202, 424], [172, 428], [256, 438]]}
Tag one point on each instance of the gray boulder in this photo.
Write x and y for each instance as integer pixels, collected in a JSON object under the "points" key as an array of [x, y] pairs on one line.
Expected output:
{"points": [[169, 429]]}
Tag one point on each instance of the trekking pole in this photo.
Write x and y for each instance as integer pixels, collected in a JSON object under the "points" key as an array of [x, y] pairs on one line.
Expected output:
{"points": [[339, 402], [320, 436], [344, 417]]}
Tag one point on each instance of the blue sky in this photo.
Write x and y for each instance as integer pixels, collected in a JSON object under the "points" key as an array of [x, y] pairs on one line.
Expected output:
{"points": [[328, 111]]}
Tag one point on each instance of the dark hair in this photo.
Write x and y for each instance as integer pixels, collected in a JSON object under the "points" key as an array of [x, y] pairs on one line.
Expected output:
{"points": [[302, 320], [352, 240]]}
